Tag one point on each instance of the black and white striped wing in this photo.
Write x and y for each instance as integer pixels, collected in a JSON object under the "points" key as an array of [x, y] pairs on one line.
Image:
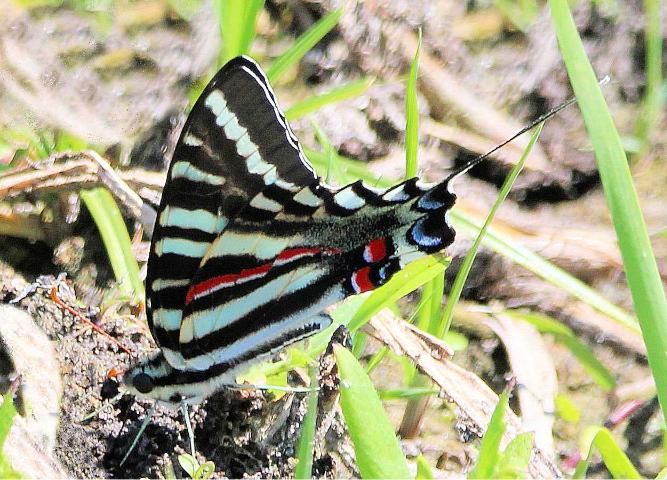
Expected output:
{"points": [[235, 148]]}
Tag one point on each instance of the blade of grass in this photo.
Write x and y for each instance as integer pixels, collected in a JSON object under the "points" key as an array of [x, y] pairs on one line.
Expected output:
{"points": [[333, 169], [376, 447], [649, 117], [400, 393], [412, 115], [614, 458], [236, 21], [489, 448], [639, 261], [304, 450], [109, 221], [304, 43], [462, 275], [515, 458], [344, 92], [545, 269]]}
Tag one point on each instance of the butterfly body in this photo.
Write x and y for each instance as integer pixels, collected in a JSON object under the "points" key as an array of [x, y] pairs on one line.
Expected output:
{"points": [[250, 246]]}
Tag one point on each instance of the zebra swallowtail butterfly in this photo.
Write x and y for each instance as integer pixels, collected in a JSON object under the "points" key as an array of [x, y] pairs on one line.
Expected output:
{"points": [[250, 246]]}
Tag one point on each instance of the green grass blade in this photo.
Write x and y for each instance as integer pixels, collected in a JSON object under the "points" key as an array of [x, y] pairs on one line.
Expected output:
{"points": [[424, 471], [564, 335], [351, 167], [7, 414], [434, 307], [344, 92], [236, 21], [376, 447], [614, 458], [406, 281], [489, 449], [649, 117], [304, 43], [410, 392], [304, 450], [639, 261], [545, 269], [109, 221], [462, 275], [412, 116], [333, 169]]}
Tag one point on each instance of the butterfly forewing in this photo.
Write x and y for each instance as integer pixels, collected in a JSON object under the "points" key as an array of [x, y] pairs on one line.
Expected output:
{"points": [[235, 144]]}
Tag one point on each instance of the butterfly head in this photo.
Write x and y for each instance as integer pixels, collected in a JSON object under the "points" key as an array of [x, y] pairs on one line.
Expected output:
{"points": [[146, 379], [155, 378]]}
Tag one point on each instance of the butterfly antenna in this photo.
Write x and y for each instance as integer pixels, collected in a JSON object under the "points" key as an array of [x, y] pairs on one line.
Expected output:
{"points": [[533, 124], [143, 426]]}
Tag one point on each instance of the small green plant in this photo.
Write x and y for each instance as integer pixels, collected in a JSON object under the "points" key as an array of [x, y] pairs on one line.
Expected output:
{"points": [[194, 469], [109, 221], [236, 21]]}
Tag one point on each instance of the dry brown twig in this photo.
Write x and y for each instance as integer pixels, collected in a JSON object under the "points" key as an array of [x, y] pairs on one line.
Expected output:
{"points": [[86, 169]]}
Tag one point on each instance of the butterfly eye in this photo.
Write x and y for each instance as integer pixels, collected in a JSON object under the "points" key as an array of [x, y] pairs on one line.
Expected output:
{"points": [[143, 383]]}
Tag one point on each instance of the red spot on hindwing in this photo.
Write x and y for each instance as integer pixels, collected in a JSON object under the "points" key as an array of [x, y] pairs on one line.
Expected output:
{"points": [[375, 250], [361, 280]]}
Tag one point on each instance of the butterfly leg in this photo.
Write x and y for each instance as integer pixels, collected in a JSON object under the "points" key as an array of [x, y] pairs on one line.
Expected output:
{"points": [[143, 426], [188, 425]]}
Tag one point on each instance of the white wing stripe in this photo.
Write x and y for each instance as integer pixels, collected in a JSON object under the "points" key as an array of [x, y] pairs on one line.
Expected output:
{"points": [[189, 171], [181, 246], [198, 219]]}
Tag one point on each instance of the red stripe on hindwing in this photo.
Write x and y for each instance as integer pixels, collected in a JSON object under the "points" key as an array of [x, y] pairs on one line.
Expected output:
{"points": [[219, 282]]}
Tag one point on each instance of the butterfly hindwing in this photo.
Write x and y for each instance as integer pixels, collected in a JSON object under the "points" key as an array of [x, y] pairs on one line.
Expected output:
{"points": [[267, 279], [235, 144]]}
